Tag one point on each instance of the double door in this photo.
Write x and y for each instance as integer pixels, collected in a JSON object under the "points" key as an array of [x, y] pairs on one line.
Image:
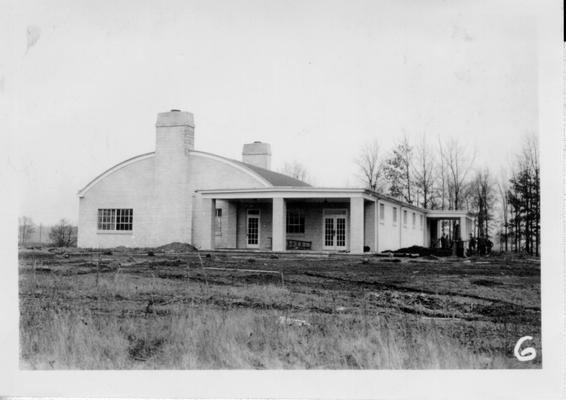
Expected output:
{"points": [[335, 232]]}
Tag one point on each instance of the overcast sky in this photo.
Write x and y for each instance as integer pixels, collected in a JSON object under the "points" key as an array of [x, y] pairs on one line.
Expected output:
{"points": [[316, 79]]}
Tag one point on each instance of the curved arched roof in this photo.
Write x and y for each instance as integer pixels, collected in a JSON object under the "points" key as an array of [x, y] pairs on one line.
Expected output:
{"points": [[273, 178], [264, 176]]}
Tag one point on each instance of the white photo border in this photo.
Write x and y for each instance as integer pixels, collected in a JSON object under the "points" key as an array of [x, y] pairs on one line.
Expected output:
{"points": [[547, 382]]}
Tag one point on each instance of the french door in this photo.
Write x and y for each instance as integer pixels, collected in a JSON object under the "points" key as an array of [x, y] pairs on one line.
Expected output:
{"points": [[334, 230], [253, 229]]}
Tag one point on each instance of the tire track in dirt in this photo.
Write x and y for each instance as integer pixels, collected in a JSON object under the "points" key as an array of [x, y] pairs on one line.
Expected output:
{"points": [[399, 288]]}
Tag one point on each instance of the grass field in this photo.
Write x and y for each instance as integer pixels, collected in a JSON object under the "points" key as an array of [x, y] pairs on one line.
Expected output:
{"points": [[127, 310]]}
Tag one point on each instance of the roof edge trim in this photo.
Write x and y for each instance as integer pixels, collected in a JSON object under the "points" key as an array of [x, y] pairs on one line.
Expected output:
{"points": [[144, 156], [113, 169], [234, 164]]}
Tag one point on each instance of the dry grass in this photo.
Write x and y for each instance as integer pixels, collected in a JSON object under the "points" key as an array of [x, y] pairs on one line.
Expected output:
{"points": [[125, 319], [207, 338]]}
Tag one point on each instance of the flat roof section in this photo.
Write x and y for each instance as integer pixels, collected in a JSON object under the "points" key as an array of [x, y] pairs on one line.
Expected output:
{"points": [[448, 214]]}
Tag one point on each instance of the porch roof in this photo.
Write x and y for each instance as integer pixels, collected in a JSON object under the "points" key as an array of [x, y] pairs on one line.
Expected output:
{"points": [[290, 192], [294, 192], [448, 214]]}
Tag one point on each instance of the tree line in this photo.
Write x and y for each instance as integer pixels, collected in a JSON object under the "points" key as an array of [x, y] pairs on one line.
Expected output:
{"points": [[520, 196], [62, 234], [445, 176]]}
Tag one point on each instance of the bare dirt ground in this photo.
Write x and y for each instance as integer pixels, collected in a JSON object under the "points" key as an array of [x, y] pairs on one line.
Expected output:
{"points": [[128, 308]]}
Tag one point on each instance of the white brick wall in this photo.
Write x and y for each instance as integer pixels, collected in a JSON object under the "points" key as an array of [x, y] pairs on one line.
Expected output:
{"points": [[156, 222], [265, 236], [129, 187], [314, 222]]}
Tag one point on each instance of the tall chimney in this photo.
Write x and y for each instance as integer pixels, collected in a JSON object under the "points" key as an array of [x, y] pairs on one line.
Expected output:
{"points": [[175, 132], [258, 154], [174, 141]]}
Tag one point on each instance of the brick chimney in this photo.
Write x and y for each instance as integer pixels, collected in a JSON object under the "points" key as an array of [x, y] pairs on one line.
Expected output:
{"points": [[174, 141], [258, 154]]}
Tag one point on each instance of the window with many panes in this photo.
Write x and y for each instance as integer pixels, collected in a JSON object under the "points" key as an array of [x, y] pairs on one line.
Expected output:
{"points": [[115, 219], [218, 226], [295, 221]]}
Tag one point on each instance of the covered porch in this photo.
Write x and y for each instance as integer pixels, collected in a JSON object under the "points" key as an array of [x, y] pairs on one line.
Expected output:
{"points": [[280, 219], [446, 227]]}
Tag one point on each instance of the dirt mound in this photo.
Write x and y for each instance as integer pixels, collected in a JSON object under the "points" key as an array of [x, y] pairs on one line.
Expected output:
{"points": [[177, 247], [421, 251]]}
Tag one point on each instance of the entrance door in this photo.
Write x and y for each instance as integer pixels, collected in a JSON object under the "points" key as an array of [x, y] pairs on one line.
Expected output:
{"points": [[433, 233], [334, 230], [253, 229]]}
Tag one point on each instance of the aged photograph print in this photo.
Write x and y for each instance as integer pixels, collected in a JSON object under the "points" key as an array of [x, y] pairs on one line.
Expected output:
{"points": [[278, 185]]}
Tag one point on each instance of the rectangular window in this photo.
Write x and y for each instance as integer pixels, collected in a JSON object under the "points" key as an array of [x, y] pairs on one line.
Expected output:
{"points": [[115, 219], [382, 212], [218, 227], [394, 215], [295, 221], [421, 221], [405, 217], [414, 220]]}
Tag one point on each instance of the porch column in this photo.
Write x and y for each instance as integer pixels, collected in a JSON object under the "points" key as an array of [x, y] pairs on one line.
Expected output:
{"points": [[208, 223], [231, 228], [357, 225], [375, 224], [463, 229], [278, 225]]}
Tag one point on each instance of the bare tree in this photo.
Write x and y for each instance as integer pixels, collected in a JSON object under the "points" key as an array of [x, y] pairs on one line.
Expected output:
{"points": [[296, 170], [482, 199], [397, 171], [503, 188], [423, 172], [25, 229], [62, 234], [458, 162], [443, 177], [531, 155], [370, 166]]}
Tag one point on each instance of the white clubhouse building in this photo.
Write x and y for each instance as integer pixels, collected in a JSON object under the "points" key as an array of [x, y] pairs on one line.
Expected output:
{"points": [[179, 194]]}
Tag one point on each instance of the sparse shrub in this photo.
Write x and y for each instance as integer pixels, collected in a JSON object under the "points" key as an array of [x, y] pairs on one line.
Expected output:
{"points": [[63, 234]]}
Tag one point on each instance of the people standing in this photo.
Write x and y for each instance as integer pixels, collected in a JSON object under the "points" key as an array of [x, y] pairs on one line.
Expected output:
{"points": [[444, 241], [472, 244], [489, 246], [481, 246]]}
